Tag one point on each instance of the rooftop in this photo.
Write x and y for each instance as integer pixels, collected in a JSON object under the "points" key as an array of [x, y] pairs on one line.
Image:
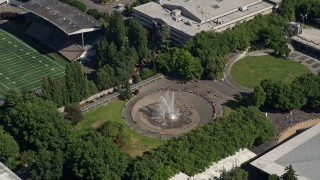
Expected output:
{"points": [[7, 174], [309, 36], [205, 10], [216, 168], [69, 19], [192, 27], [302, 152]]}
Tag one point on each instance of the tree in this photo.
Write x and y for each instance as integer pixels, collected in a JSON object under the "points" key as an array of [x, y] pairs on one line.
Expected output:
{"points": [[73, 113], [13, 98], [214, 67], [273, 177], [126, 93], [290, 174], [47, 165], [36, 124], [116, 31], [97, 157], [92, 87], [76, 83], [258, 96], [9, 150], [234, 174], [94, 13], [116, 132], [185, 64], [162, 35], [78, 4], [146, 73], [105, 77], [138, 38]]}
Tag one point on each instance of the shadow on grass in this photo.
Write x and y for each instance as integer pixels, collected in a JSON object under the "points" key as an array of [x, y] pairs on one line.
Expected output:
{"points": [[231, 105]]}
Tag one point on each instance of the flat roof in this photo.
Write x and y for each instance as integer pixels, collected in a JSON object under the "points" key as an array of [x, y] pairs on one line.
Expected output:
{"points": [[69, 19], [205, 10], [156, 11], [7, 174], [216, 168], [302, 152], [310, 37]]}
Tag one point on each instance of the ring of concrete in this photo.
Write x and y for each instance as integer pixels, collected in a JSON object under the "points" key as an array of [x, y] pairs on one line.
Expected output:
{"points": [[202, 108]]}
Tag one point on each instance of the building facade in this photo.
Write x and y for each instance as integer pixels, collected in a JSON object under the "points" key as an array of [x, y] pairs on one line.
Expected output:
{"points": [[186, 18]]}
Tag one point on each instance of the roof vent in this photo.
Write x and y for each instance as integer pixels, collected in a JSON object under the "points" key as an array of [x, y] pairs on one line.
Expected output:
{"points": [[243, 8], [215, 6]]}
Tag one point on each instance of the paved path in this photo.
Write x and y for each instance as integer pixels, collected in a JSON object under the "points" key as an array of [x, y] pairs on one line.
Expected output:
{"points": [[311, 63], [220, 91], [227, 76]]}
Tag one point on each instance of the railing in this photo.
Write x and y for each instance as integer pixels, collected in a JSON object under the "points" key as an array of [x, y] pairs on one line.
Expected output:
{"points": [[109, 98]]}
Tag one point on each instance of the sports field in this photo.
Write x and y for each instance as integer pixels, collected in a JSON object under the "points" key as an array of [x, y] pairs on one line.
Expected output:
{"points": [[250, 71], [23, 67]]}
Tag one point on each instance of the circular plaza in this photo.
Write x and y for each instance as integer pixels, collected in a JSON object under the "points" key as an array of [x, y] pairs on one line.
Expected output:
{"points": [[167, 113]]}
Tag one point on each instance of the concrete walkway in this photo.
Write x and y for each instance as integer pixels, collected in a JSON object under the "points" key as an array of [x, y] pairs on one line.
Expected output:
{"points": [[227, 76], [311, 63]]}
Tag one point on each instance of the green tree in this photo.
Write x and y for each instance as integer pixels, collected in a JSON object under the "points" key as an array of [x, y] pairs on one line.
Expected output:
{"points": [[105, 77], [94, 13], [47, 165], [117, 31], [36, 124], [126, 92], [273, 177], [92, 88], [214, 67], [78, 4], [76, 83], [13, 98], [162, 35], [97, 157], [73, 113], [146, 73], [234, 174], [138, 38], [258, 96], [9, 150], [290, 174], [116, 132], [186, 65]]}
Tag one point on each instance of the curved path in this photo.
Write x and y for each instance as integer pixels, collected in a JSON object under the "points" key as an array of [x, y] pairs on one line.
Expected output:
{"points": [[227, 75], [312, 64]]}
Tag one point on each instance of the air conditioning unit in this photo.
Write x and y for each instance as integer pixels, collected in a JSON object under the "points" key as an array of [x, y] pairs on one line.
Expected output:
{"points": [[243, 8]]}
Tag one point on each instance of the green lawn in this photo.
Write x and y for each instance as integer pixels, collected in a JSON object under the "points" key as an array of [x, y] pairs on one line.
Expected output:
{"points": [[113, 112], [22, 66], [250, 71]]}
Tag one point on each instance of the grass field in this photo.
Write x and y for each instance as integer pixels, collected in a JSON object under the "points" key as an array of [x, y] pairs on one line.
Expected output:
{"points": [[22, 66], [113, 112], [250, 71]]}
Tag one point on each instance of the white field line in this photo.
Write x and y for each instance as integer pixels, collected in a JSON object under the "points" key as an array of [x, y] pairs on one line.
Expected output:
{"points": [[32, 49]]}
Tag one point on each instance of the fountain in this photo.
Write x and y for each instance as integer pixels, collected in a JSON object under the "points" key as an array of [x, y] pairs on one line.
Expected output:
{"points": [[167, 108], [168, 113]]}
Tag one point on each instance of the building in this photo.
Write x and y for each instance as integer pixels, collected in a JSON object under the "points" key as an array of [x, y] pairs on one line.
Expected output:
{"points": [[308, 41], [189, 17], [302, 152], [214, 171], [7, 174], [62, 27]]}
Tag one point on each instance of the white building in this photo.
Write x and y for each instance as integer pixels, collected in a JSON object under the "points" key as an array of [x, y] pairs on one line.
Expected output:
{"points": [[302, 152], [7, 174], [189, 17], [215, 170]]}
